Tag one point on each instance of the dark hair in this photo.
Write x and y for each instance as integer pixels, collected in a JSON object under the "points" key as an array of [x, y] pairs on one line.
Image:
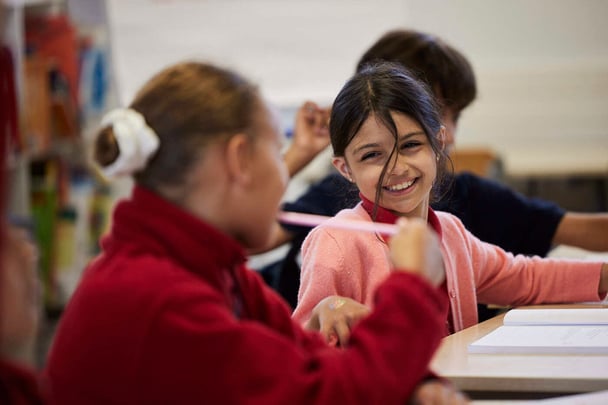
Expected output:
{"points": [[447, 72], [188, 105], [378, 90]]}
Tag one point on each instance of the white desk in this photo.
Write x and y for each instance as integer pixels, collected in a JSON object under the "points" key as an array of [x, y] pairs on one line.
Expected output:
{"points": [[589, 398], [517, 376]]}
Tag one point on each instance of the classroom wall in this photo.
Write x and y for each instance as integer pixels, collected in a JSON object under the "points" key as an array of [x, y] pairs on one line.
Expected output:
{"points": [[542, 68], [542, 65], [294, 49]]}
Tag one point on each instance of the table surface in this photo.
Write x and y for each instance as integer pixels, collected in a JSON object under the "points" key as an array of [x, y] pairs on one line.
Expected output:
{"points": [[529, 373]]}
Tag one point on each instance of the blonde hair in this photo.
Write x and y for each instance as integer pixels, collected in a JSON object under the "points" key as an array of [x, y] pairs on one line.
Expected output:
{"points": [[187, 105]]}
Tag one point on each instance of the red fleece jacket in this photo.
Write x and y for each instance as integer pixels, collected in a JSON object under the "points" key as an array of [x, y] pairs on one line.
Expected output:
{"points": [[168, 313]]}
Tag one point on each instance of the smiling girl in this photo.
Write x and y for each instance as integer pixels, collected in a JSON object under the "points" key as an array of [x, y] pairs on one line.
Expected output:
{"points": [[387, 139]]}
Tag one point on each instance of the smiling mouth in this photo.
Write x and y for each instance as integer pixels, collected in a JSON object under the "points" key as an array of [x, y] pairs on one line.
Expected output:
{"points": [[401, 186]]}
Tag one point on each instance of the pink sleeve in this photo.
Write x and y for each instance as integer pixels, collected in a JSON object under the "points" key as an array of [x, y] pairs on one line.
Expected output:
{"points": [[320, 258], [505, 279]]}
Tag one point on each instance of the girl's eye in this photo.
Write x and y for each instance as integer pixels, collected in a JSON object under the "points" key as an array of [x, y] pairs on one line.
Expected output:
{"points": [[411, 144], [369, 155]]}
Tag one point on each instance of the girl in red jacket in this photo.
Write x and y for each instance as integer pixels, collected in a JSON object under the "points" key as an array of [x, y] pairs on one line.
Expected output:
{"points": [[169, 312]]}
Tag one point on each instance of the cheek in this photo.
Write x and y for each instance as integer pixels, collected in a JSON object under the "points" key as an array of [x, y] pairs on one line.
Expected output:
{"points": [[431, 168], [367, 181], [281, 175], [272, 186], [272, 190]]}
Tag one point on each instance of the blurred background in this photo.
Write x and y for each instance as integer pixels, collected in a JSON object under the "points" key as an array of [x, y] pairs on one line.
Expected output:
{"points": [[541, 112], [542, 65]]}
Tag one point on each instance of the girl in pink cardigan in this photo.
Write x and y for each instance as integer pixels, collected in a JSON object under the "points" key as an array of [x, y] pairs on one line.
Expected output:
{"points": [[388, 140]]}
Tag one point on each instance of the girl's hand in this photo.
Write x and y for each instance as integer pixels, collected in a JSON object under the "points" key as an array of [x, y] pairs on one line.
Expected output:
{"points": [[436, 392], [311, 129], [415, 248], [310, 136], [335, 316]]}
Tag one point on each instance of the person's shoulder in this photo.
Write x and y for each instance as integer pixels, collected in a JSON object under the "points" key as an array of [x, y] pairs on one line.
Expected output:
{"points": [[146, 273], [487, 194], [328, 230], [467, 179], [481, 191], [357, 212], [448, 220], [452, 228]]}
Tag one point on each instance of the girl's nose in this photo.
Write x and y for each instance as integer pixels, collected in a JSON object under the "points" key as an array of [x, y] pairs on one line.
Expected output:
{"points": [[400, 164]]}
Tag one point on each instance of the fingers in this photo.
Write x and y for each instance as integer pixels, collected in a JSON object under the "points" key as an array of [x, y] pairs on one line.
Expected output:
{"points": [[337, 316], [343, 331], [407, 246], [332, 340], [316, 117], [336, 333], [415, 248], [435, 392], [355, 317]]}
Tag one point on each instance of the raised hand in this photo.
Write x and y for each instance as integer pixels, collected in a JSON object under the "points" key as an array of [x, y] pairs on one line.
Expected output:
{"points": [[310, 136]]}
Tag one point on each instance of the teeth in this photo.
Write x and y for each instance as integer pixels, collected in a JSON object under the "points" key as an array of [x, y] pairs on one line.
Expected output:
{"points": [[401, 186]]}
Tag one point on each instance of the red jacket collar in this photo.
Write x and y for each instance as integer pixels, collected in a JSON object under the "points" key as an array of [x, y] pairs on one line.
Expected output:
{"points": [[151, 222], [385, 216]]}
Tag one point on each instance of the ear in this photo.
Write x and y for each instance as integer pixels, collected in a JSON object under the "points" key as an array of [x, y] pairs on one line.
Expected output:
{"points": [[442, 137], [342, 166], [443, 141], [238, 156]]}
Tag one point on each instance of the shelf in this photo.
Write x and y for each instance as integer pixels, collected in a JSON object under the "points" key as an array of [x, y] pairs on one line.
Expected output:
{"points": [[50, 184]]}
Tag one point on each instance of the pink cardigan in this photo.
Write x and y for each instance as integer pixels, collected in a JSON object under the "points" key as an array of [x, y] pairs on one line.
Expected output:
{"points": [[352, 264]]}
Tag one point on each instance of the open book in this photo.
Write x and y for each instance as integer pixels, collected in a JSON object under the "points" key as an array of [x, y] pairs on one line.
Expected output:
{"points": [[548, 331]]}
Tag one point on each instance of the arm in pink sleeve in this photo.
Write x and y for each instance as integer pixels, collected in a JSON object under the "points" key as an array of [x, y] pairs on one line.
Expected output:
{"points": [[505, 279], [321, 260]]}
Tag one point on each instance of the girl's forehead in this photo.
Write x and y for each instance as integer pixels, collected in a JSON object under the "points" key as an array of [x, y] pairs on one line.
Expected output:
{"points": [[375, 126], [373, 131]]}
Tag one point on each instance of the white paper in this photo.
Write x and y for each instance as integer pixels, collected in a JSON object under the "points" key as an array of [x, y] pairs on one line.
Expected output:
{"points": [[557, 316], [548, 331]]}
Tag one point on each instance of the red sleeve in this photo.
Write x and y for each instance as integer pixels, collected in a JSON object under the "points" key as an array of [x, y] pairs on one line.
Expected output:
{"points": [[272, 360]]}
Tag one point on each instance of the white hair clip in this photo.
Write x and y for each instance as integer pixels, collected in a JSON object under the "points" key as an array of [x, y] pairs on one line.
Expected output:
{"points": [[137, 142]]}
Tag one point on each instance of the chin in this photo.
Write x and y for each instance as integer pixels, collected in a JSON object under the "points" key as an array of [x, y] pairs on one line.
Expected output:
{"points": [[257, 241]]}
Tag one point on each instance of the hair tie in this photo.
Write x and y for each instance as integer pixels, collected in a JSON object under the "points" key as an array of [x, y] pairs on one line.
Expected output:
{"points": [[136, 141]]}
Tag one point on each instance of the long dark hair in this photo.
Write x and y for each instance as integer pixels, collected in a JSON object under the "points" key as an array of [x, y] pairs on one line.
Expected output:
{"points": [[378, 89]]}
